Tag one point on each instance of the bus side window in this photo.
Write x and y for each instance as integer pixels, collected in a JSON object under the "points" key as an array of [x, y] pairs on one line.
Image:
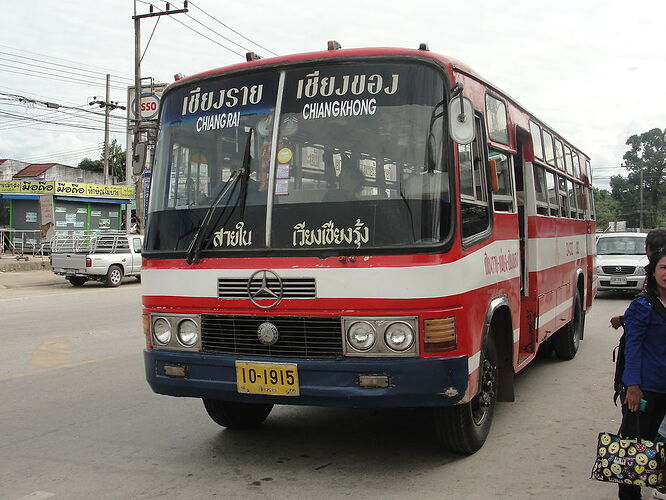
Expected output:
{"points": [[563, 196], [503, 197], [475, 209], [540, 189], [552, 194]]}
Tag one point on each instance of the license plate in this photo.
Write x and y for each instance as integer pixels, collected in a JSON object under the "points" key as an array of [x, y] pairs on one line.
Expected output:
{"points": [[621, 280], [275, 379]]}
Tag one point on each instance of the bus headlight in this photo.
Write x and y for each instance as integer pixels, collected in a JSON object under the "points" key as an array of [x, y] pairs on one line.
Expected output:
{"points": [[399, 336], [361, 335], [188, 332], [162, 331]]}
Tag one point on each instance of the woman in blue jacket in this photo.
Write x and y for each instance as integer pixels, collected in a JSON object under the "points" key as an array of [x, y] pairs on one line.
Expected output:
{"points": [[645, 363]]}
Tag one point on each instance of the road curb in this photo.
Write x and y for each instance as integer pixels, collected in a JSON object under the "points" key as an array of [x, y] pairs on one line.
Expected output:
{"points": [[8, 265]]}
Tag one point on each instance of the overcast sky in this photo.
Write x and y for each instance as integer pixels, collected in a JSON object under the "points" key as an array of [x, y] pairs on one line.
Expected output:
{"points": [[593, 70]]}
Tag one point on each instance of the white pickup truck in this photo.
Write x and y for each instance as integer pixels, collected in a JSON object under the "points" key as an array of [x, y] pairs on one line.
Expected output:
{"points": [[105, 257]]}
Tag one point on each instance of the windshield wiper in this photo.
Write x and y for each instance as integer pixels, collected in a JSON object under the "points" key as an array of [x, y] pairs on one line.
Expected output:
{"points": [[194, 248], [242, 175], [245, 179]]}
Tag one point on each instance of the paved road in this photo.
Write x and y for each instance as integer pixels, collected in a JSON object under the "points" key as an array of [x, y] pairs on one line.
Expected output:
{"points": [[79, 421]]}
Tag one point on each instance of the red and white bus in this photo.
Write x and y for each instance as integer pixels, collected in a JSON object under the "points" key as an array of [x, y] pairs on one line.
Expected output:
{"points": [[360, 228]]}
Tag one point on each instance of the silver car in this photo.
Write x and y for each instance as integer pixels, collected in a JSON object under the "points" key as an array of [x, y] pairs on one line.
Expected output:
{"points": [[621, 261]]}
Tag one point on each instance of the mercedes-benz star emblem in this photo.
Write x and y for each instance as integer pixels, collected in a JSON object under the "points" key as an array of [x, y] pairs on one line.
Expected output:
{"points": [[270, 288], [618, 269], [267, 333]]}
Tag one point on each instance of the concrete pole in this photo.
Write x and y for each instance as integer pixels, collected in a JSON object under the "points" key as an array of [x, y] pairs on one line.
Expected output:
{"points": [[640, 213], [107, 110], [137, 112]]}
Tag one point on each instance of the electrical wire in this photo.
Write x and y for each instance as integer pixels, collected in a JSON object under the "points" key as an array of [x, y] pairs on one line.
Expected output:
{"points": [[150, 38], [207, 37], [53, 77], [233, 30], [22, 58], [68, 61]]}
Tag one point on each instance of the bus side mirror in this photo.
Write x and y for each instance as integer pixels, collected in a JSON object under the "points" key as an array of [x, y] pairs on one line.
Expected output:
{"points": [[461, 120], [139, 158]]}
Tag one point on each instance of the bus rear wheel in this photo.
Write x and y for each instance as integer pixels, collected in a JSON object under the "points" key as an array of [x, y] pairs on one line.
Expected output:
{"points": [[464, 428], [567, 340], [237, 415]]}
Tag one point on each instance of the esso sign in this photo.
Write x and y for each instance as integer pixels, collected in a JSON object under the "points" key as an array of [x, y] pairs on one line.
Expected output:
{"points": [[149, 106]]}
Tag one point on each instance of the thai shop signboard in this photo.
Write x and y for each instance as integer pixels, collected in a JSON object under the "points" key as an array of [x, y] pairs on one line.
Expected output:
{"points": [[66, 189]]}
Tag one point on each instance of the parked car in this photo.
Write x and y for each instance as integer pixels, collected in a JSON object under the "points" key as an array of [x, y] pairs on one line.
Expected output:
{"points": [[103, 257], [621, 261]]}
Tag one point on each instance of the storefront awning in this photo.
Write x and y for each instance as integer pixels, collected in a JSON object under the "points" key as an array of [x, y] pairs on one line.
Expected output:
{"points": [[19, 196], [114, 201]]}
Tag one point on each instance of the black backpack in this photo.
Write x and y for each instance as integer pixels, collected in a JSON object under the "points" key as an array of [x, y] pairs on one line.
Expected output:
{"points": [[618, 352]]}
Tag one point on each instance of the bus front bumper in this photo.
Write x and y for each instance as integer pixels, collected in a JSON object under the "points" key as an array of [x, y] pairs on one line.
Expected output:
{"points": [[411, 382]]}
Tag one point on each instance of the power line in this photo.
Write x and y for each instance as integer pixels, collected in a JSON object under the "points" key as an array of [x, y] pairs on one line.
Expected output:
{"points": [[51, 122], [218, 34], [233, 30], [52, 77], [105, 71], [22, 58], [207, 37]]}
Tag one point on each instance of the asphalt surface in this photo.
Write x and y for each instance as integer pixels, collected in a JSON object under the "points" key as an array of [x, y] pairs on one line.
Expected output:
{"points": [[80, 422]]}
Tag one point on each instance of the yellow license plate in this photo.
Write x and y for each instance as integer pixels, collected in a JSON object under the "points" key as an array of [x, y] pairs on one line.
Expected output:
{"points": [[275, 379]]}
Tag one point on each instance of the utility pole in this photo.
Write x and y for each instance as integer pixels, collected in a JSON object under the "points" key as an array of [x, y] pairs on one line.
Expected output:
{"points": [[640, 213], [108, 106], [138, 90], [106, 131]]}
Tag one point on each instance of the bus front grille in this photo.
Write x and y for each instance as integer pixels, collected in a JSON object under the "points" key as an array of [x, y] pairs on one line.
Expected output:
{"points": [[298, 337]]}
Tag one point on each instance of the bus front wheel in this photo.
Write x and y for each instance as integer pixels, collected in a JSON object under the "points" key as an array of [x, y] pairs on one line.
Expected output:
{"points": [[464, 428], [237, 415]]}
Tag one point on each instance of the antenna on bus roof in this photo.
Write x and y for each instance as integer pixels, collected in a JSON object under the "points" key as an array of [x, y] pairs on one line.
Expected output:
{"points": [[252, 56], [334, 45], [424, 46]]}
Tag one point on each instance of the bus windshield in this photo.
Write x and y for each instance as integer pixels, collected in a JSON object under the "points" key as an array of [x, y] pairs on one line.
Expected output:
{"points": [[342, 156]]}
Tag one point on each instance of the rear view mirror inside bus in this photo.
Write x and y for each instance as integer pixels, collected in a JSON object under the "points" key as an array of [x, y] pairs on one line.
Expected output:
{"points": [[461, 120]]}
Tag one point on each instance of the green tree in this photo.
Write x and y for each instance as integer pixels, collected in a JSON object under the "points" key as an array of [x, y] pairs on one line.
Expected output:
{"points": [[93, 165], [116, 162], [607, 208], [647, 155]]}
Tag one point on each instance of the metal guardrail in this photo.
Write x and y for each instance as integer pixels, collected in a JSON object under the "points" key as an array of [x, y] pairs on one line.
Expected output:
{"points": [[88, 241], [19, 242]]}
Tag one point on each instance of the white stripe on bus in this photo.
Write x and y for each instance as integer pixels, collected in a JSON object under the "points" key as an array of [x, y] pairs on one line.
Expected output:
{"points": [[480, 269]]}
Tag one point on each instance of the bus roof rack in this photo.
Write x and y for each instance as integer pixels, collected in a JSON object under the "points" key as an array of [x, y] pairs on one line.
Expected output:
{"points": [[334, 45]]}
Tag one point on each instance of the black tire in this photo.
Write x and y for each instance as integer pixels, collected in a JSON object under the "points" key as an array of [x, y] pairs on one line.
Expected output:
{"points": [[114, 276], [567, 340], [237, 415], [77, 280], [545, 350], [464, 428]]}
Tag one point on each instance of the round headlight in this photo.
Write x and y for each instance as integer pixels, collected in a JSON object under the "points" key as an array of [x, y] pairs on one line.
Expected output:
{"points": [[162, 331], [361, 335], [399, 336], [188, 333]]}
